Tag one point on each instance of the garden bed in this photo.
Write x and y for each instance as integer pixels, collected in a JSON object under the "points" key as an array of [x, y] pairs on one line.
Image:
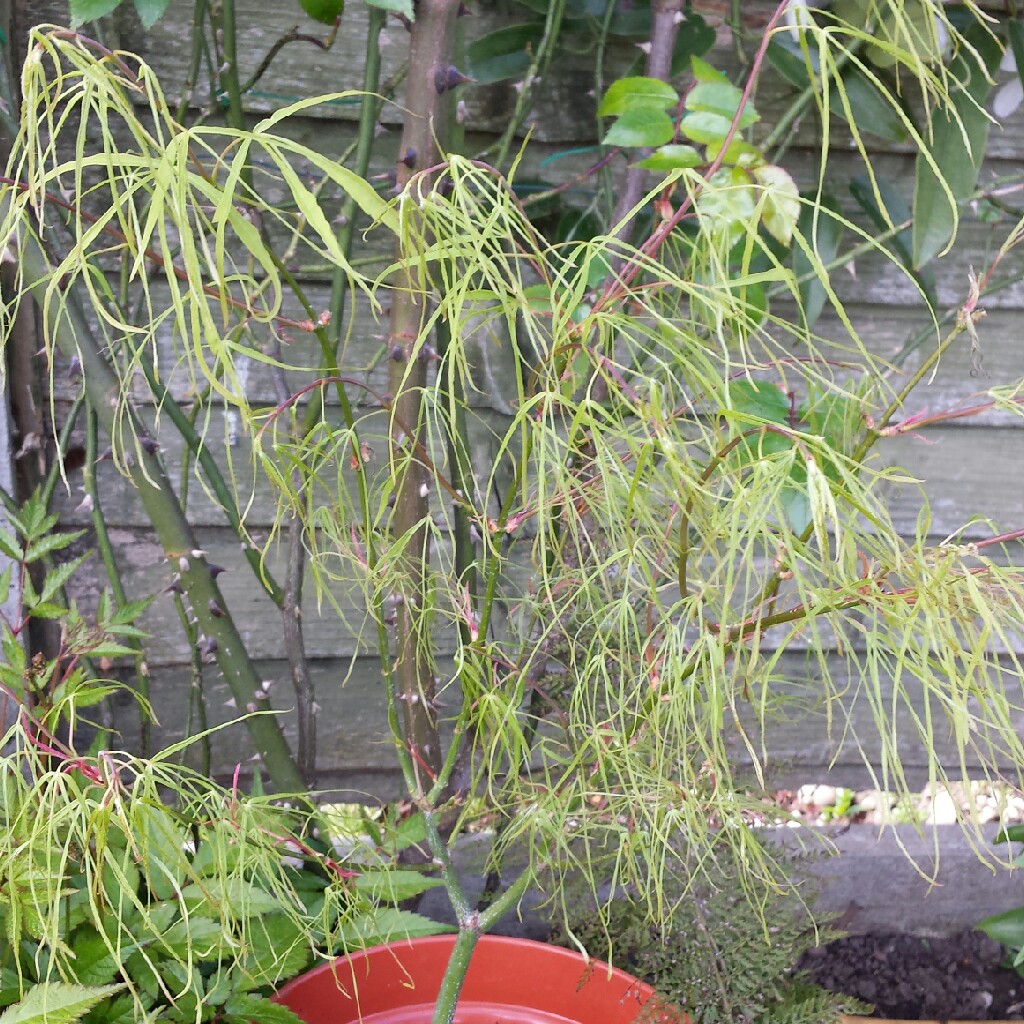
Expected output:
{"points": [[909, 977]]}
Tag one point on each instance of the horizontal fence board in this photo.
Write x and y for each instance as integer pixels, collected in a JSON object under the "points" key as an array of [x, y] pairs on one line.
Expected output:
{"points": [[963, 471], [354, 750], [341, 631], [353, 745], [802, 746]]}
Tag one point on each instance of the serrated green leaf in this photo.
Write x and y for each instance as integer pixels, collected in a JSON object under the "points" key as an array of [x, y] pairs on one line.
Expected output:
{"points": [[195, 936], [957, 146], [50, 543], [260, 1010], [637, 93], [387, 925], [11, 982], [94, 963], [233, 896], [278, 948], [119, 1010], [670, 158], [86, 693], [128, 632], [704, 127], [14, 653], [503, 54], [56, 1002], [46, 609], [9, 546], [409, 832], [150, 11], [161, 840], [109, 649], [128, 612], [58, 577], [89, 10], [640, 127], [395, 885], [722, 98]]}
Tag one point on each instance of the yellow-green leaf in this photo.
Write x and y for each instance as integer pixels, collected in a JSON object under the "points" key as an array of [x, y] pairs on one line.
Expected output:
{"points": [[632, 93], [781, 201]]}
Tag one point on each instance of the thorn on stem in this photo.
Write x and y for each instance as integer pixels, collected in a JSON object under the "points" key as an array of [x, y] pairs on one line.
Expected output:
{"points": [[449, 78]]}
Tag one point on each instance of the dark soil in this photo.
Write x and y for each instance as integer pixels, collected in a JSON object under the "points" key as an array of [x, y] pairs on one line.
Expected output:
{"points": [[905, 977]]}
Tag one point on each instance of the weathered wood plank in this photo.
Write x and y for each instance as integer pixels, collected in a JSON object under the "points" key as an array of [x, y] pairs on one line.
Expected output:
{"points": [[801, 745], [330, 632], [355, 752], [960, 469], [354, 749]]}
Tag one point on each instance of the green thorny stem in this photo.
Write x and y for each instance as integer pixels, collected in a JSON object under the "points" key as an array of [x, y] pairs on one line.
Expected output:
{"points": [[431, 75], [106, 550], [72, 333]]}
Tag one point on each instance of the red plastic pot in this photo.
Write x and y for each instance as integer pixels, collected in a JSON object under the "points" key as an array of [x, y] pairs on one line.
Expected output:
{"points": [[510, 981]]}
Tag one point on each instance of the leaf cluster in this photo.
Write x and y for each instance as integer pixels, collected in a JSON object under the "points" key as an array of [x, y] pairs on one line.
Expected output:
{"points": [[119, 904], [54, 690]]}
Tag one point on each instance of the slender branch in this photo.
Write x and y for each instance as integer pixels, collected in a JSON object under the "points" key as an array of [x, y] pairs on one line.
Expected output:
{"points": [[229, 79], [431, 75], [196, 718], [214, 477], [199, 10], [63, 443], [542, 55], [293, 35], [295, 647]]}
